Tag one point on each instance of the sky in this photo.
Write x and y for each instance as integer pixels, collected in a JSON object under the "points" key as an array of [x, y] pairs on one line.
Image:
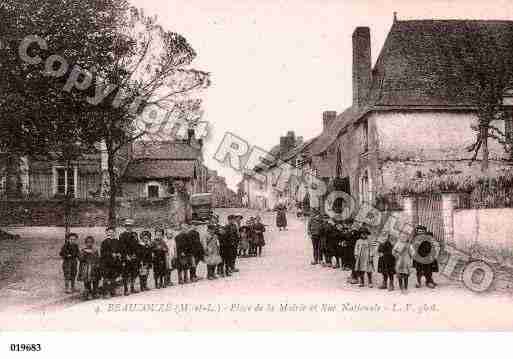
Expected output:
{"points": [[276, 65]]}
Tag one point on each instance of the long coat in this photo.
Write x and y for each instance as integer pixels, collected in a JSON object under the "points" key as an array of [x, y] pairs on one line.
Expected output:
{"points": [[110, 258], [281, 217], [403, 253], [184, 251], [258, 230], [212, 256], [89, 268], [386, 262], [364, 256], [146, 257], [160, 252], [197, 248], [129, 248], [69, 254]]}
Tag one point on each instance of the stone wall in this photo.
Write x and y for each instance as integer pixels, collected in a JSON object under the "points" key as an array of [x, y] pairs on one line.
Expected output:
{"points": [[93, 213]]}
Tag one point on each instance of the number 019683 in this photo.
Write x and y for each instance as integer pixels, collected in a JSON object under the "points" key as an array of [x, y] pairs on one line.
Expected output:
{"points": [[25, 347]]}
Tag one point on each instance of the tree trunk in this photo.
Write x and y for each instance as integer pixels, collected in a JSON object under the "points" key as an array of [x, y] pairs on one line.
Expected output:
{"points": [[484, 147], [13, 177], [112, 185]]}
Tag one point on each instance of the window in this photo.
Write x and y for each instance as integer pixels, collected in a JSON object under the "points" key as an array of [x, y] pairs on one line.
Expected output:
{"points": [[153, 191], [65, 180], [365, 189], [365, 137]]}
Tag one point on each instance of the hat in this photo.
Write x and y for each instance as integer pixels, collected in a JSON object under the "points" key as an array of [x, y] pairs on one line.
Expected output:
{"points": [[129, 222], [211, 227], [230, 216], [420, 227], [145, 234], [364, 231]]}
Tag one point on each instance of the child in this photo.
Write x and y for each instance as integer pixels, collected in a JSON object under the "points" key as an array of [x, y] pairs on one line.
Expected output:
{"points": [[171, 256], [244, 241], [69, 254], [146, 258], [364, 256], [212, 256], [386, 264], [403, 253], [160, 252], [89, 269], [258, 230]]}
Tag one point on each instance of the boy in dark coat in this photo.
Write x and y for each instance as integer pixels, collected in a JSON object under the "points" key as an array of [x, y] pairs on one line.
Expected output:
{"points": [[386, 264], [89, 269], [351, 244], [184, 252], [160, 251], [110, 262], [258, 230], [146, 258], [69, 253], [129, 245]]}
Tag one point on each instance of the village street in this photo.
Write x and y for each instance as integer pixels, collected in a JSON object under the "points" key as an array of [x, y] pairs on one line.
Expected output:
{"points": [[280, 290]]}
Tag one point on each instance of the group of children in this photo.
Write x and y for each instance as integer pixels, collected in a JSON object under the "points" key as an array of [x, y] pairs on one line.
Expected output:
{"points": [[139, 255], [251, 238], [355, 250]]}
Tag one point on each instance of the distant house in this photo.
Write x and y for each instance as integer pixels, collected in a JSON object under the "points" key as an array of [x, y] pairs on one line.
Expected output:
{"points": [[293, 151], [222, 195], [49, 178], [412, 114], [159, 169]]}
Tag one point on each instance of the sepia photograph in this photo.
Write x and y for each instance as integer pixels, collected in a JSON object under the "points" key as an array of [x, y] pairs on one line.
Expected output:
{"points": [[243, 166]]}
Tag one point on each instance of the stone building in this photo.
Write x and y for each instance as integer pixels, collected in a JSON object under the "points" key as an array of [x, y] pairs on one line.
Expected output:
{"points": [[411, 120]]}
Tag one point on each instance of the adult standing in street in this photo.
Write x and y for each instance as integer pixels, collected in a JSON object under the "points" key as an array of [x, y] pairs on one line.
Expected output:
{"points": [[110, 262], [129, 246], [232, 240], [281, 217], [315, 232]]}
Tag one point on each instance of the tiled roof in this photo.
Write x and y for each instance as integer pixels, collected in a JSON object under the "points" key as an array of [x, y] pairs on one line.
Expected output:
{"points": [[165, 150], [157, 168], [427, 64], [434, 62]]}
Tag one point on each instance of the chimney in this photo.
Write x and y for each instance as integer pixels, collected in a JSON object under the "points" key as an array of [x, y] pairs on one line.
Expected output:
{"points": [[327, 118], [190, 136], [283, 144], [361, 65], [287, 142]]}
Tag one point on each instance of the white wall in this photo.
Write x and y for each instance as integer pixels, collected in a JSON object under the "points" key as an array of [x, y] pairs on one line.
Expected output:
{"points": [[428, 135], [490, 227]]}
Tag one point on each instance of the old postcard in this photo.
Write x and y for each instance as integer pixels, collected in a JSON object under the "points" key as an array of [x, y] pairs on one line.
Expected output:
{"points": [[237, 165]]}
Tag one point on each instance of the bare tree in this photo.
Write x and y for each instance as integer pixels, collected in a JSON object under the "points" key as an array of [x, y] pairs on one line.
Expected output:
{"points": [[490, 66], [149, 82]]}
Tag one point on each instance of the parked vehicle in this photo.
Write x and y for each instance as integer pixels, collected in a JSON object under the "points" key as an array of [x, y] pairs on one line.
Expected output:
{"points": [[201, 204]]}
